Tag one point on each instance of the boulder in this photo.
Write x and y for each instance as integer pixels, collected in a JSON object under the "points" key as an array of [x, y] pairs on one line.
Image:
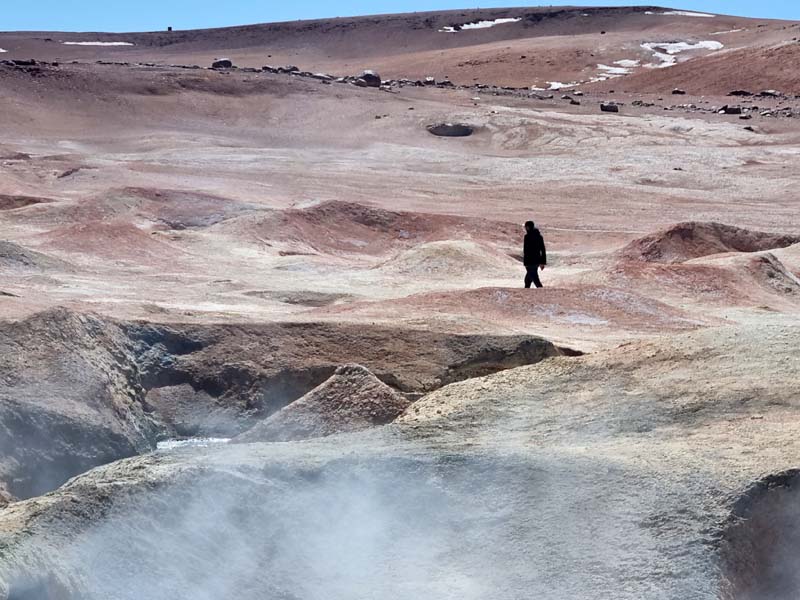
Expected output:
{"points": [[351, 400], [678, 92], [609, 108], [371, 78], [429, 80], [743, 93], [730, 110], [222, 63]]}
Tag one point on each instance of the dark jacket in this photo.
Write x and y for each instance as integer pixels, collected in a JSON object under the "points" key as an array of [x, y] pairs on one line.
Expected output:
{"points": [[534, 252]]}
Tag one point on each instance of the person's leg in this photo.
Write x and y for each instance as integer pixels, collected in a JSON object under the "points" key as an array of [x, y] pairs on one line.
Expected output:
{"points": [[528, 276], [535, 276]]}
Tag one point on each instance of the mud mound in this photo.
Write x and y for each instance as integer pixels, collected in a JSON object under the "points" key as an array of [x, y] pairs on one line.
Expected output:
{"points": [[686, 241], [762, 269], [613, 309], [116, 240], [448, 259], [719, 280], [351, 400], [349, 228], [16, 257], [11, 202]]}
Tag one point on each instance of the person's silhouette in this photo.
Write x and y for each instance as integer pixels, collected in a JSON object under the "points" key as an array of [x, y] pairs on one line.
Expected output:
{"points": [[534, 255]]}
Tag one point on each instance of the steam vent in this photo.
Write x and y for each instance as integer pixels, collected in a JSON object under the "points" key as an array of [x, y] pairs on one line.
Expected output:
{"points": [[265, 336]]}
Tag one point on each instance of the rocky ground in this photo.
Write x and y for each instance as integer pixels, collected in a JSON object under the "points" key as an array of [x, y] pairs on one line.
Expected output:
{"points": [[198, 252]]}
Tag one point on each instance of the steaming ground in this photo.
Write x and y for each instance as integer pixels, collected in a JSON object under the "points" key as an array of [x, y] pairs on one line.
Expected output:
{"points": [[190, 256]]}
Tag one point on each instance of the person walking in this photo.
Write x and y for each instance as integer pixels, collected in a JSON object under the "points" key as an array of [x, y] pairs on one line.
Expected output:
{"points": [[534, 255]]}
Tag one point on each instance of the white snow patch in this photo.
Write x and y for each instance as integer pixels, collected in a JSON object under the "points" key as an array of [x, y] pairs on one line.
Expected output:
{"points": [[628, 64], [479, 25], [724, 32], [616, 71], [665, 51], [190, 442], [557, 85], [686, 13], [1, 50], [97, 43]]}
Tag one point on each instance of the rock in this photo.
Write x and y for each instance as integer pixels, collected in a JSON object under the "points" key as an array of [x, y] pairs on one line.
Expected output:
{"points": [[222, 63], [730, 110], [609, 108], [575, 102], [678, 92], [743, 93], [746, 117], [750, 129], [351, 400], [360, 83], [371, 78], [24, 63], [450, 130], [430, 80], [770, 94]]}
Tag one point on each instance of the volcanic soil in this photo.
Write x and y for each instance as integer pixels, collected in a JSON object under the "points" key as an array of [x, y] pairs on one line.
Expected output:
{"points": [[282, 255]]}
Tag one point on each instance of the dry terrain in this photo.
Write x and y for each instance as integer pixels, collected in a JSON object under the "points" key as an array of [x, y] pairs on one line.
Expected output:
{"points": [[279, 252]]}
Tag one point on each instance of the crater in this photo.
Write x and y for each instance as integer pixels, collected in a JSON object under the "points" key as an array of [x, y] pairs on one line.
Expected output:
{"points": [[451, 130]]}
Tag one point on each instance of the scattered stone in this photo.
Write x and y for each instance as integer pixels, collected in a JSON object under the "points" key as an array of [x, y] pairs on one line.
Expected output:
{"points": [[730, 110], [222, 63], [743, 93], [371, 78], [574, 102], [770, 94], [678, 92], [609, 108], [430, 80]]}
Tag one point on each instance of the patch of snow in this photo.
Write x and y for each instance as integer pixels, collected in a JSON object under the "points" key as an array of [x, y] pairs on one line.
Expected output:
{"points": [[724, 32], [686, 13], [557, 85], [1, 50], [97, 43], [190, 442], [665, 51], [628, 64], [615, 71], [479, 25]]}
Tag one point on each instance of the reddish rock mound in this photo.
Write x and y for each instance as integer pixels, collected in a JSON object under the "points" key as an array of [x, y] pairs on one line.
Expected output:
{"points": [[351, 400], [349, 228], [686, 241], [117, 240]]}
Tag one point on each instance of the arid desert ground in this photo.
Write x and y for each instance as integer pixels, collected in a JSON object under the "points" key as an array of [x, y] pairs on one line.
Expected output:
{"points": [[263, 335]]}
